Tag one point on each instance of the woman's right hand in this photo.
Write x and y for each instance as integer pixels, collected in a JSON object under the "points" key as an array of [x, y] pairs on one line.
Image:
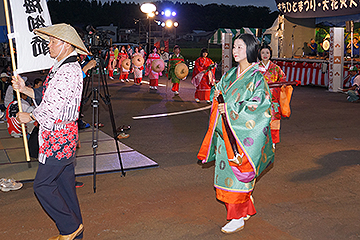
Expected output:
{"points": [[221, 108], [18, 83], [216, 93]]}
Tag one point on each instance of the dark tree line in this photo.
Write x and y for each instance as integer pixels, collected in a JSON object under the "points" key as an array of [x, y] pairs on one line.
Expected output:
{"points": [[191, 16]]}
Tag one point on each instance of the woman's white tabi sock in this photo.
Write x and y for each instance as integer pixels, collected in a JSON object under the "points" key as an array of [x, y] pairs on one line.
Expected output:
{"points": [[234, 225]]}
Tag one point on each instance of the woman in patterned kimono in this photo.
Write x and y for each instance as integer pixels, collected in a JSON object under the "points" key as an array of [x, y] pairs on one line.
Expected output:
{"points": [[247, 114], [153, 76], [110, 67], [138, 71], [124, 73], [203, 76], [272, 73]]}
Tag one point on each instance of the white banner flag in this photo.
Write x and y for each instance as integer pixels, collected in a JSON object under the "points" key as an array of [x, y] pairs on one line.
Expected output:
{"points": [[32, 51]]}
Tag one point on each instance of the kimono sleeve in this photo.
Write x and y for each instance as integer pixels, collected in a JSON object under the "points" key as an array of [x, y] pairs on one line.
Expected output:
{"points": [[282, 76], [196, 69], [249, 118]]}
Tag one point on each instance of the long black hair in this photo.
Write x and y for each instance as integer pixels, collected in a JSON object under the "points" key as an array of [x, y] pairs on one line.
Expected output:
{"points": [[252, 46], [153, 47], [265, 47], [203, 50]]}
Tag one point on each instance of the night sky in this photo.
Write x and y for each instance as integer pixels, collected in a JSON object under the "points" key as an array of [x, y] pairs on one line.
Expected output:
{"points": [[268, 3]]}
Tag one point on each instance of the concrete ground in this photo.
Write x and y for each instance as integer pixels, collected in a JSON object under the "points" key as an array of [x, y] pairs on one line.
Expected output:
{"points": [[311, 192]]}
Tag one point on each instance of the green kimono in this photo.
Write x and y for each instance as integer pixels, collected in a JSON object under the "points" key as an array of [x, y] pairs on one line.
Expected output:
{"points": [[247, 109], [173, 61]]}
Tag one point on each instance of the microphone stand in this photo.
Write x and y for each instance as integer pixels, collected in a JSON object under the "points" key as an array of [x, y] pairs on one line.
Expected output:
{"points": [[292, 42]]}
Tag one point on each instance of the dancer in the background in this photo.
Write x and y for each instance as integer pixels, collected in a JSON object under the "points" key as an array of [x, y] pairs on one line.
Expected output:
{"points": [[110, 57], [129, 51], [153, 75], [272, 73], [174, 60], [116, 54], [142, 51], [124, 73], [164, 55], [244, 125], [138, 70], [203, 76], [116, 51]]}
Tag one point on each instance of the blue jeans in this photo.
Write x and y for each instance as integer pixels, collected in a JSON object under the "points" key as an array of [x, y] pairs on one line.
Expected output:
{"points": [[352, 96]]}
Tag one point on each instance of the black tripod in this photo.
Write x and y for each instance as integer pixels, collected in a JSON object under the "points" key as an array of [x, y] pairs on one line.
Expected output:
{"points": [[102, 91]]}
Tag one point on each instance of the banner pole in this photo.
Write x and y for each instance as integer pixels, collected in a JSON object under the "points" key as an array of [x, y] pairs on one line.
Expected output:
{"points": [[27, 155]]}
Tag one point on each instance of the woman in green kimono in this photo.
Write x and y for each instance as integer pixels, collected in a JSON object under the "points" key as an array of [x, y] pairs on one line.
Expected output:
{"points": [[174, 60], [247, 113]]}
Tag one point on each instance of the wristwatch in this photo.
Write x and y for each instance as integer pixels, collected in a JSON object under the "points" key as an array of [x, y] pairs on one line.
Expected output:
{"points": [[32, 116]]}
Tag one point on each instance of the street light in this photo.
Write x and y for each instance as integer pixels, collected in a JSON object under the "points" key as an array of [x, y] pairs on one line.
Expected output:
{"points": [[176, 24], [170, 24], [149, 9], [168, 13]]}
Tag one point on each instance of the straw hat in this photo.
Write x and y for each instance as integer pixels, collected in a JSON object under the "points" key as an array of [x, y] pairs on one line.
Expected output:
{"points": [[64, 32], [158, 65], [126, 64], [138, 60], [181, 70]]}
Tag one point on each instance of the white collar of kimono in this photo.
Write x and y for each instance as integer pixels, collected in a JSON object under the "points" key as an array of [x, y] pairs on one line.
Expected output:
{"points": [[58, 63], [239, 74], [267, 65]]}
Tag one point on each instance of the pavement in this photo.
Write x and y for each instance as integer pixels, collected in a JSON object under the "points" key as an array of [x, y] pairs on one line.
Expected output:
{"points": [[310, 192]]}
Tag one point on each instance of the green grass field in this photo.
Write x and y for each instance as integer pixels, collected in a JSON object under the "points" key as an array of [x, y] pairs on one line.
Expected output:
{"points": [[192, 54]]}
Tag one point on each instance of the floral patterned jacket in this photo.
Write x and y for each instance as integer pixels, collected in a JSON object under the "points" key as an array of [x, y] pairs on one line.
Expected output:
{"points": [[58, 111]]}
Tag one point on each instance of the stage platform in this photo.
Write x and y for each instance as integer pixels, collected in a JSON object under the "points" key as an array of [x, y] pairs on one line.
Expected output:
{"points": [[13, 163]]}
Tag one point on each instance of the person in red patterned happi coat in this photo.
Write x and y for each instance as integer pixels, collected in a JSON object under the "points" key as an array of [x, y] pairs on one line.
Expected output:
{"points": [[57, 112]]}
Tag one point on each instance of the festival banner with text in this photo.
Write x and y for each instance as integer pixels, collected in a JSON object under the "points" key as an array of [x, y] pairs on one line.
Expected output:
{"points": [[318, 8], [32, 51]]}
